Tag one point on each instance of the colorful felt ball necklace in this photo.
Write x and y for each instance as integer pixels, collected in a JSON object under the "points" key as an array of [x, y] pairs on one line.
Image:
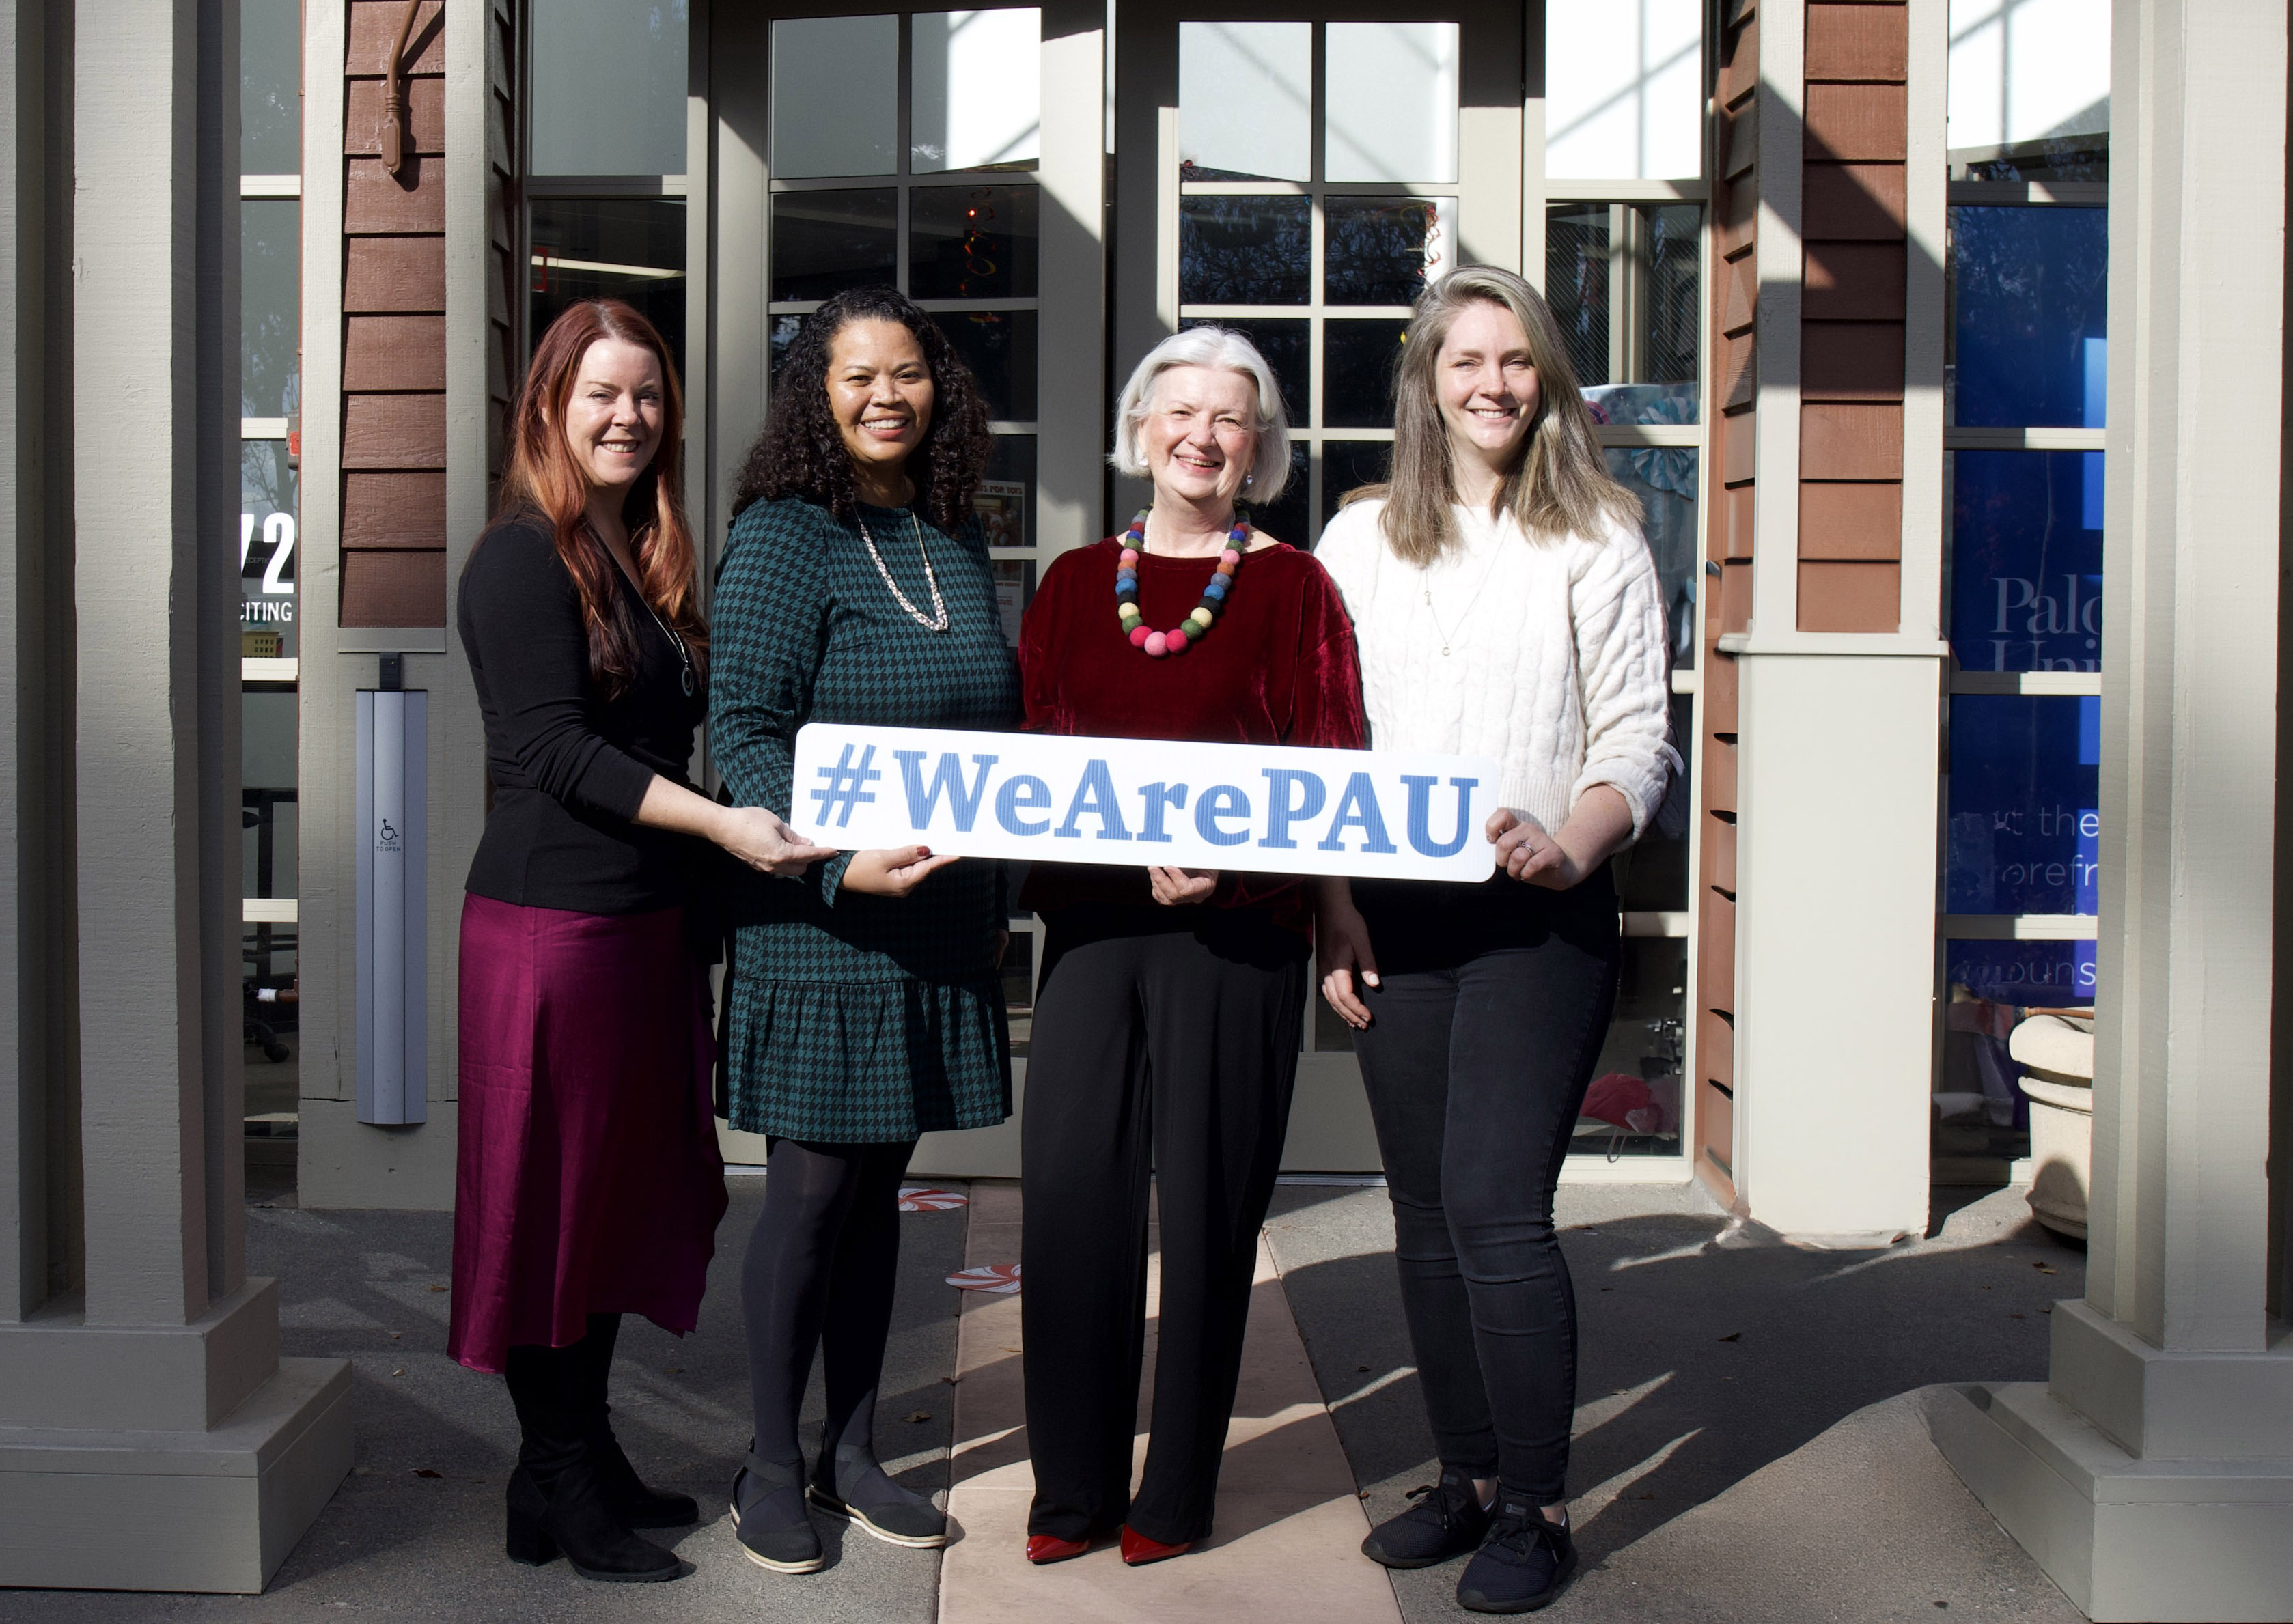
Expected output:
{"points": [[1199, 621]]}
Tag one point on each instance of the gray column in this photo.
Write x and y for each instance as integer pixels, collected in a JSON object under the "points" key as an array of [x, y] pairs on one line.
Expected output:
{"points": [[2152, 1473], [141, 1387]]}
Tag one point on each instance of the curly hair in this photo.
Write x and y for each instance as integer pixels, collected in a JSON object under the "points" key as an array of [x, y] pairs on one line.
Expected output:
{"points": [[800, 450]]}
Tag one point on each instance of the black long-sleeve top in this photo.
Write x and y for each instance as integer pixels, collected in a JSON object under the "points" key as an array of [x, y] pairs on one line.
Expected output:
{"points": [[569, 767]]}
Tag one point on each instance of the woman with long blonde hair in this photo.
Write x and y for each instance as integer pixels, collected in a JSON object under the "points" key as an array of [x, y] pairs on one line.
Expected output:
{"points": [[587, 1184], [1506, 606]]}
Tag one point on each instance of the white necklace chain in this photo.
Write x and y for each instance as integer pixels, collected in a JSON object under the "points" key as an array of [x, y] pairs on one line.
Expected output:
{"points": [[1425, 581], [937, 621]]}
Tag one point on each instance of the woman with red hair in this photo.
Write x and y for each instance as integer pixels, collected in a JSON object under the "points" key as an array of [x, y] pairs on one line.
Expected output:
{"points": [[588, 1183]]}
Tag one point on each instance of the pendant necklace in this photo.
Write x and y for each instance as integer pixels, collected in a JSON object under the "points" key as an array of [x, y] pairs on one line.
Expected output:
{"points": [[1426, 582], [686, 675], [1199, 619], [937, 621]]}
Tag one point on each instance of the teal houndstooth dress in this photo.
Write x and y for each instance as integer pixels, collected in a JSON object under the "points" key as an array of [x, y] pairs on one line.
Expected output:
{"points": [[856, 1019]]}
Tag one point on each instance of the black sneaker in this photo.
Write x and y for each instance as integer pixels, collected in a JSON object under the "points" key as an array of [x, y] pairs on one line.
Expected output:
{"points": [[770, 1521], [1448, 1521], [1524, 1563]]}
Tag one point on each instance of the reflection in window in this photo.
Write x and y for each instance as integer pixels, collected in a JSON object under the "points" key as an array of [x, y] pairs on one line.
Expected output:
{"points": [[1290, 518], [1633, 1108], [1391, 101], [1989, 988], [270, 86], [1246, 100], [999, 346], [1285, 345], [1664, 479], [2029, 291], [1384, 250], [594, 55], [971, 242], [836, 96], [1622, 97], [2025, 831], [1358, 359], [978, 89], [1245, 250], [1348, 466], [1622, 282], [629, 248], [2030, 80], [2026, 560], [270, 307], [269, 530], [824, 242]]}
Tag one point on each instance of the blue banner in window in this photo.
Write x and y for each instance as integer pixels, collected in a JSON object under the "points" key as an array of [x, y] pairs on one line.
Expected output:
{"points": [[2055, 975], [2026, 560], [2028, 290], [2025, 831]]}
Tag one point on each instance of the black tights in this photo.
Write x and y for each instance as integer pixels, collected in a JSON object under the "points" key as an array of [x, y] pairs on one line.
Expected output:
{"points": [[822, 1261], [560, 1396]]}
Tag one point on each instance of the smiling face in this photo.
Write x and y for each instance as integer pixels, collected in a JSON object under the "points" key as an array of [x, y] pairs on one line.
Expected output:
{"points": [[879, 392], [1488, 385], [1200, 432], [613, 415]]}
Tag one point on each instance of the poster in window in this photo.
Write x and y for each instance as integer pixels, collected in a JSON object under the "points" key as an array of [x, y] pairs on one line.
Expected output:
{"points": [[1001, 505], [1015, 589]]}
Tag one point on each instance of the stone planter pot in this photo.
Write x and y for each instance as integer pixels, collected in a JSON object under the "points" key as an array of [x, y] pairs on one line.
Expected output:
{"points": [[2061, 1152]]}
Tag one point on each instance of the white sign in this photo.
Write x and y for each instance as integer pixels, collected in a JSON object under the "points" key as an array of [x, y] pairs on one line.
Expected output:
{"points": [[1045, 799]]}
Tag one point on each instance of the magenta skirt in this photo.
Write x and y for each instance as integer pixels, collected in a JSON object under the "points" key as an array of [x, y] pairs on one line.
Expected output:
{"points": [[588, 1180]]}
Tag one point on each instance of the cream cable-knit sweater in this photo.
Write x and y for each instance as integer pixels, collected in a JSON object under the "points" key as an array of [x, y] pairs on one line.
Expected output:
{"points": [[1556, 661]]}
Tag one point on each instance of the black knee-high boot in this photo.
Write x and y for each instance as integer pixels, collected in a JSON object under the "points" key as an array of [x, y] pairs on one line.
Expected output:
{"points": [[625, 1491], [556, 1502]]}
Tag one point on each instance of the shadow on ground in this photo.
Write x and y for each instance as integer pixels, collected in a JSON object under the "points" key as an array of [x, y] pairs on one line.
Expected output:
{"points": [[1705, 1353]]}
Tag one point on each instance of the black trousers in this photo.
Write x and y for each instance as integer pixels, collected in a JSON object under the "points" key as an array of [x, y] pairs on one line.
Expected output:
{"points": [[559, 1393], [821, 1265], [1484, 1038], [1166, 1044]]}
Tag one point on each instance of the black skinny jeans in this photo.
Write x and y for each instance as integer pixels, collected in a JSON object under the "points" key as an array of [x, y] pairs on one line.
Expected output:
{"points": [[1165, 1045], [821, 1265], [1484, 1038]]}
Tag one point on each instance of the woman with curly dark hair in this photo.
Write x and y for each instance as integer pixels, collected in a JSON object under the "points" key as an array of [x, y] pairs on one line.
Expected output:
{"points": [[865, 1005]]}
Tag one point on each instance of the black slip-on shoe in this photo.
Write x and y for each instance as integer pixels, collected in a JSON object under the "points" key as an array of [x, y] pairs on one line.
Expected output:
{"points": [[768, 1515], [1524, 1563], [850, 1483], [1448, 1521]]}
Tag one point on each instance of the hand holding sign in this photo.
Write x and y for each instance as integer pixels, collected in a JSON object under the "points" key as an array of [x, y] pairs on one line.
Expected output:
{"points": [[1164, 804]]}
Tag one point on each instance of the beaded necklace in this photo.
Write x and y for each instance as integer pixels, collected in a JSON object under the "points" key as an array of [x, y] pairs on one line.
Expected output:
{"points": [[1199, 619]]}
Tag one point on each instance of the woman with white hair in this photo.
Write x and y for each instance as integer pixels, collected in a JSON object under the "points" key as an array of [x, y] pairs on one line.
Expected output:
{"points": [[1165, 1040]]}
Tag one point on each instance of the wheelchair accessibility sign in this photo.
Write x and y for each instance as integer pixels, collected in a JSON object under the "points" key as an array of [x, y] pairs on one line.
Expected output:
{"points": [[1046, 798]]}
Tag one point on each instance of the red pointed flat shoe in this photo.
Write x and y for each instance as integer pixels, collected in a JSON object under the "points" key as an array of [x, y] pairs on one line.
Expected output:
{"points": [[1139, 1551], [1043, 1549]]}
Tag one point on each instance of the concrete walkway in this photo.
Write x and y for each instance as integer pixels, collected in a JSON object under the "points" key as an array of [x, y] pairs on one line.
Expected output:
{"points": [[1749, 1442]]}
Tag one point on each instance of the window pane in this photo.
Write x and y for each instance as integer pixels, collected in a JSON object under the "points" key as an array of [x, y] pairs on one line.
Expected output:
{"points": [[1385, 250], [1392, 102], [2026, 560], [270, 519], [1652, 873], [824, 242], [630, 248], [1622, 96], [2028, 76], [1285, 345], [1622, 282], [2025, 831], [270, 307], [999, 346], [1245, 250], [836, 96], [1006, 503], [1357, 363], [978, 83], [1990, 987], [973, 242], [1290, 517], [1020, 986], [2028, 290], [1348, 466], [1633, 1108], [270, 86], [1246, 100], [1664, 479], [608, 86]]}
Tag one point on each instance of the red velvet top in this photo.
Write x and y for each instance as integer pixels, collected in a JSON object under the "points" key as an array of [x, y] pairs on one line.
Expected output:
{"points": [[1278, 668]]}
